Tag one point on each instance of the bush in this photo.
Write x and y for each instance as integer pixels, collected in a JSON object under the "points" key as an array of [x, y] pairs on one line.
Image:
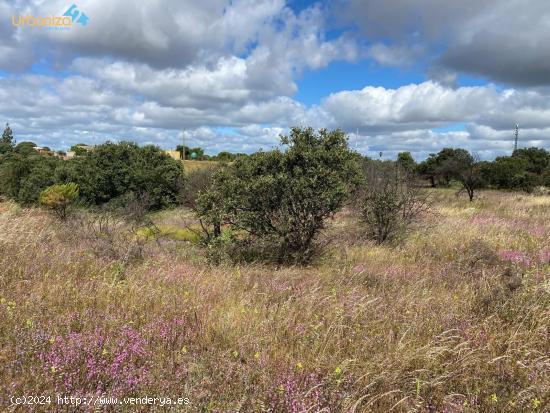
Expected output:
{"points": [[282, 198], [59, 198], [391, 202], [113, 170], [23, 177]]}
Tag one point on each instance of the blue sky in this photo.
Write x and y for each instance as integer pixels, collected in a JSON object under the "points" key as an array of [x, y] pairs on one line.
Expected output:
{"points": [[234, 75]]}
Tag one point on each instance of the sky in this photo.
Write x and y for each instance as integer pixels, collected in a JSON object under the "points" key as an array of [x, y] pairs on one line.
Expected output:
{"points": [[233, 75]]}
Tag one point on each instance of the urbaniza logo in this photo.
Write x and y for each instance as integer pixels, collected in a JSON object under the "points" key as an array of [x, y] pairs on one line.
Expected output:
{"points": [[70, 17]]}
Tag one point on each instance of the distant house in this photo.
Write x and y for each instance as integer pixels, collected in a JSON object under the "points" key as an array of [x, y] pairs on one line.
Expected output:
{"points": [[174, 154], [42, 151], [78, 150]]}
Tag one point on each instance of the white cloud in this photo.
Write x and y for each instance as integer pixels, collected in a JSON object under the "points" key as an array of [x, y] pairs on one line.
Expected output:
{"points": [[225, 74]]}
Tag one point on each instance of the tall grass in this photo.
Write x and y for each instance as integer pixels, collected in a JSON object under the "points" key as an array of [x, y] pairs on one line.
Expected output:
{"points": [[455, 319]]}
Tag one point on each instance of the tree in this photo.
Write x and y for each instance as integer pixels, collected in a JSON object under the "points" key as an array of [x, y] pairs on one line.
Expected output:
{"points": [[449, 161], [509, 172], [283, 198], [59, 198], [7, 136], [80, 149], [427, 169], [466, 169], [406, 161], [439, 168], [26, 148], [546, 177], [7, 142], [23, 177], [538, 159], [113, 170]]}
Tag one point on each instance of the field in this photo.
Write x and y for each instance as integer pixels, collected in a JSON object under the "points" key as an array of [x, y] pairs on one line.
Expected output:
{"points": [[454, 319], [190, 165]]}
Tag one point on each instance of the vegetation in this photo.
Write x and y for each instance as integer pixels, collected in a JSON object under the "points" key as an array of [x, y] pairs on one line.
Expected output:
{"points": [[105, 174], [523, 171], [59, 198], [7, 140], [112, 170], [391, 202], [455, 318], [198, 181], [123, 300], [283, 199], [23, 175]]}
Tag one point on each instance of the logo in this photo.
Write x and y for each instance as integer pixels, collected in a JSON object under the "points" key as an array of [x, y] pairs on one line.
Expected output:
{"points": [[76, 15], [70, 17]]}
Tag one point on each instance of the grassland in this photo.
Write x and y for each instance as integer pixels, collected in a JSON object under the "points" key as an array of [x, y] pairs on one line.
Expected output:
{"points": [[190, 165], [455, 319]]}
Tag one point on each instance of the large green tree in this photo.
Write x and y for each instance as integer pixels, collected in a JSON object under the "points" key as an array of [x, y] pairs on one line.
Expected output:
{"points": [[23, 177], [114, 170], [538, 159], [406, 161], [284, 197]]}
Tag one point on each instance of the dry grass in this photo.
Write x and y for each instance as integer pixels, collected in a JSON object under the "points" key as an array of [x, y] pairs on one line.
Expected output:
{"points": [[455, 319], [190, 165]]}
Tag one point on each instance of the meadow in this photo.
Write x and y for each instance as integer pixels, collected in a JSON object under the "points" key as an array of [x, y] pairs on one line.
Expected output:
{"points": [[453, 319]]}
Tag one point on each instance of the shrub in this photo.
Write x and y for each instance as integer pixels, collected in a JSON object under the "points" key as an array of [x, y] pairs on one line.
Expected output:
{"points": [[113, 170], [23, 177], [283, 198], [59, 198], [466, 169], [391, 202]]}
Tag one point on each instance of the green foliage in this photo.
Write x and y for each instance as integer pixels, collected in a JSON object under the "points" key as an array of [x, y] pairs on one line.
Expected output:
{"points": [[80, 149], [427, 168], [228, 156], [22, 178], [523, 171], [510, 172], [7, 136], [406, 161], [464, 168], [26, 148], [441, 168], [59, 198], [546, 177], [283, 198], [538, 159], [7, 142], [112, 170]]}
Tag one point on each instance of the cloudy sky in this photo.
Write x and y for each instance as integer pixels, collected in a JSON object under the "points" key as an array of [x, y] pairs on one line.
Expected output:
{"points": [[407, 75]]}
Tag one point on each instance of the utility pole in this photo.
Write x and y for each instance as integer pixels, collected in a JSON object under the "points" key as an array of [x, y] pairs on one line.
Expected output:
{"points": [[183, 145], [516, 140]]}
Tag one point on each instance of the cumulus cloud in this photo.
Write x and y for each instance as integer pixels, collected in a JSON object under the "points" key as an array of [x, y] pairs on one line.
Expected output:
{"points": [[502, 40], [225, 73]]}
